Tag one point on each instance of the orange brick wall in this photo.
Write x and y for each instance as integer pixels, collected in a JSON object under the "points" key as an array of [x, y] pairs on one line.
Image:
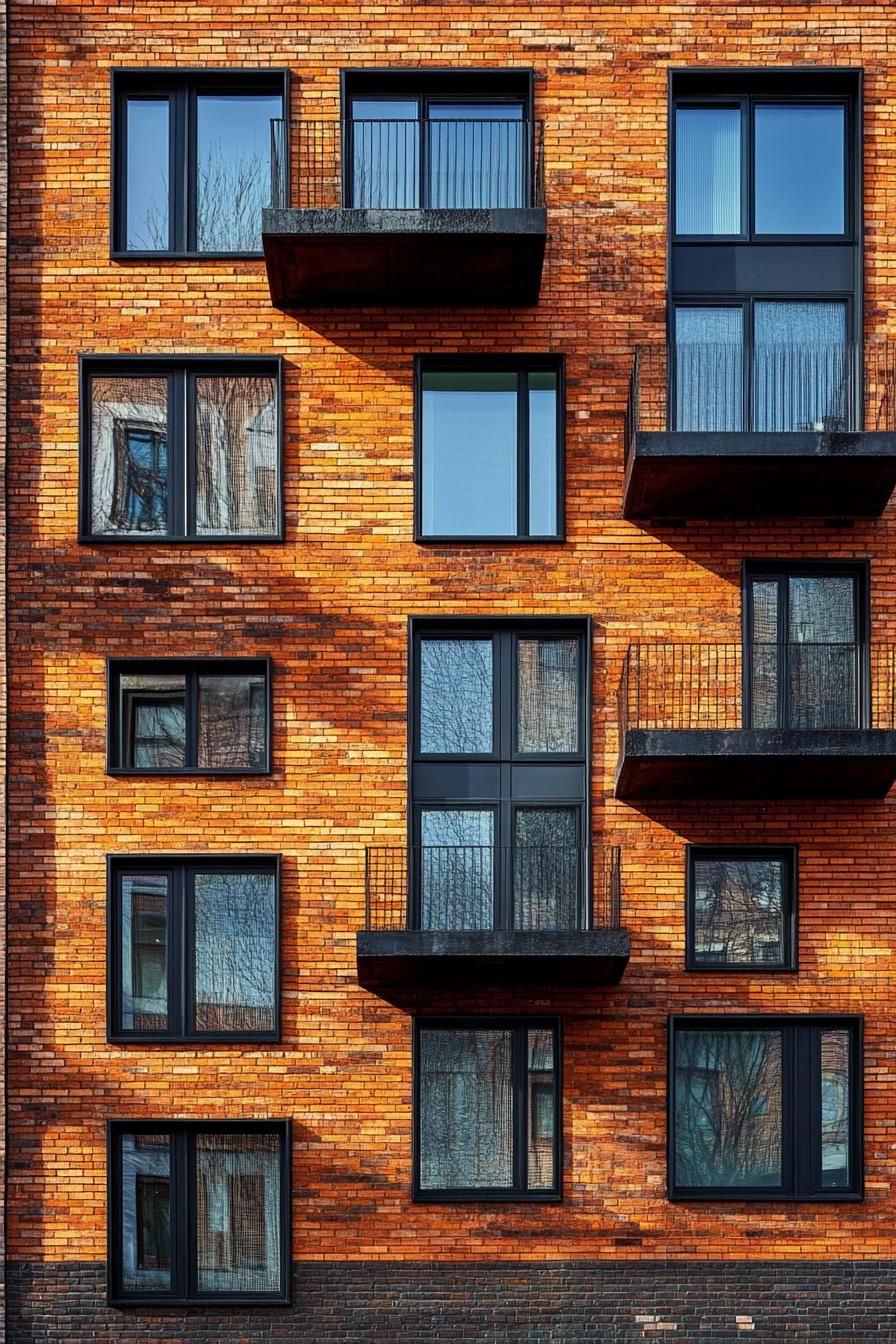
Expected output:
{"points": [[330, 607]]}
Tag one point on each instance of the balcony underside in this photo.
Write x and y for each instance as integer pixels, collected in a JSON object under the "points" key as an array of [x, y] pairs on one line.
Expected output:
{"points": [[397, 963], [756, 763], [404, 258], [811, 475]]}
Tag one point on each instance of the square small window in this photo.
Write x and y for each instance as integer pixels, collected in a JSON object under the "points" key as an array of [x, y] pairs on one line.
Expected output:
{"points": [[487, 1110], [489, 449], [199, 1212], [741, 908], [194, 949], [180, 449], [170, 716], [765, 1108], [192, 155]]}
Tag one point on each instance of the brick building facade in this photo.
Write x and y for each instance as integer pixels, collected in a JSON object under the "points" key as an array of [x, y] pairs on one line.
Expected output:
{"points": [[328, 599]]}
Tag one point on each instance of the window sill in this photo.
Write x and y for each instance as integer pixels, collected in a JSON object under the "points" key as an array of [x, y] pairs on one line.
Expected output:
{"points": [[125, 772], [151, 539]]}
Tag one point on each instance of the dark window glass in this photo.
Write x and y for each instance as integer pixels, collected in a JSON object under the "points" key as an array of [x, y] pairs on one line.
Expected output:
{"points": [[546, 868], [473, 1081], [547, 695], [800, 183], [168, 715], [708, 170], [456, 696], [173, 455], [457, 868], [198, 1212], [765, 1107], [740, 907], [196, 950], [489, 461]]}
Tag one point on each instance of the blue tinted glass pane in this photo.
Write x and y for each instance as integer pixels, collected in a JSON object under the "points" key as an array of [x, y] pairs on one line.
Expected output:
{"points": [[146, 188], [234, 155], [543, 454], [385, 153], [801, 371], [477, 156], [469, 454], [800, 170], [708, 369], [707, 170]]}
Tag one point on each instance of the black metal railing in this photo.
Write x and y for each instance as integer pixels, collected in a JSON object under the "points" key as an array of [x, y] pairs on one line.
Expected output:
{"points": [[808, 686], [464, 888], [408, 165], [828, 387]]}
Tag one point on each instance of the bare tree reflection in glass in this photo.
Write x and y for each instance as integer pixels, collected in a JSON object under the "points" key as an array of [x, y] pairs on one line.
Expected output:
{"points": [[238, 1212], [466, 1109], [739, 910], [236, 456], [235, 951], [456, 694]]}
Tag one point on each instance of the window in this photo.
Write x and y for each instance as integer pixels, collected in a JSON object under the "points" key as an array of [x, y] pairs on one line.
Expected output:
{"points": [[192, 155], [199, 1211], [489, 449], [194, 949], [765, 1108], [175, 450], [438, 139], [499, 776], [487, 1109], [207, 716], [807, 653], [741, 908]]}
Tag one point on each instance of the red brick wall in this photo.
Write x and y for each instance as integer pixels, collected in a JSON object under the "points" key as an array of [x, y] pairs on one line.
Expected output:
{"points": [[330, 606]]}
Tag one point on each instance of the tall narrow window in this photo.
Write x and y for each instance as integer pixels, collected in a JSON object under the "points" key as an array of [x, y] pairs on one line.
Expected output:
{"points": [[741, 908]]}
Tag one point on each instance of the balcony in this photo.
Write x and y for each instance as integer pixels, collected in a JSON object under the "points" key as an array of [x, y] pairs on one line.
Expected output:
{"points": [[406, 214], [485, 916], [714, 431], [782, 721]]}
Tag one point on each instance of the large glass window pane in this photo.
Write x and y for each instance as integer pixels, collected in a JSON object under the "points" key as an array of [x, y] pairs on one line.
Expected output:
{"points": [[147, 175], [237, 467], [764, 654], [708, 170], [546, 868], [466, 1110], [739, 911], [144, 951], [457, 872], [728, 1109], [477, 154], [469, 443], [801, 374], [822, 652], [385, 137], [146, 1213], [708, 369], [129, 456], [543, 520], [233, 143], [547, 695], [800, 176], [835, 1110], [234, 922], [456, 696], [238, 1213], [232, 730], [541, 1087], [153, 721]]}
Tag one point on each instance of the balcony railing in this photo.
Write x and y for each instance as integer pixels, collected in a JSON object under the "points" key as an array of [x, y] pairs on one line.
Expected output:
{"points": [[828, 388], [488, 164], [810, 687], [466, 888]]}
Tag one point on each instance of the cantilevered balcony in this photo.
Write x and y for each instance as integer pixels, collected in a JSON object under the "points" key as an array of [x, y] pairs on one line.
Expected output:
{"points": [[719, 431], [406, 213], [792, 720], [478, 916]]}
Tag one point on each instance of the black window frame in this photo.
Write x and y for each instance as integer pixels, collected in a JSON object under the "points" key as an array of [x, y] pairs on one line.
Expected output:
{"points": [[181, 937], [789, 858], [505, 634], [520, 1025], [181, 372], [800, 1091], [182, 86], [860, 571], [183, 1212], [522, 366], [191, 669]]}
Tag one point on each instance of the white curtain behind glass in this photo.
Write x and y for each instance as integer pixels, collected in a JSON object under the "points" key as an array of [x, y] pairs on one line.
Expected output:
{"points": [[707, 170]]}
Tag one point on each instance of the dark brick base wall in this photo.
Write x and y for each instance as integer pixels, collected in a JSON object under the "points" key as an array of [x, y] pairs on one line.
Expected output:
{"points": [[499, 1303]]}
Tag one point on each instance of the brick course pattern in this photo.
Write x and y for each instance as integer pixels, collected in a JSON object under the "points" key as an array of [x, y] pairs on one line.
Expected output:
{"points": [[330, 606]]}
